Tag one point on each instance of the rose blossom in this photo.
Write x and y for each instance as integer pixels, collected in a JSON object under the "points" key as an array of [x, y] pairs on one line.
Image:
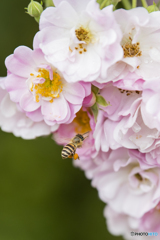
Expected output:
{"points": [[115, 121], [140, 43], [150, 104], [78, 38], [40, 90], [123, 224], [13, 119], [128, 183], [121, 123]]}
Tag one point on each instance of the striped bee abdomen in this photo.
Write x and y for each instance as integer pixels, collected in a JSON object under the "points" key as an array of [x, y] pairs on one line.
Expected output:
{"points": [[68, 150]]}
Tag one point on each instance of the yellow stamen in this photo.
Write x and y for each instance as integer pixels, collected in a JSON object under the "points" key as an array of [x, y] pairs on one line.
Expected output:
{"points": [[37, 98], [70, 49], [84, 34], [50, 88], [131, 49], [128, 92], [31, 88], [81, 122]]}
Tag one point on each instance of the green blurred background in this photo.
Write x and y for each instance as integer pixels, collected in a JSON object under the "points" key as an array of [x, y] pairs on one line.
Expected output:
{"points": [[42, 197]]}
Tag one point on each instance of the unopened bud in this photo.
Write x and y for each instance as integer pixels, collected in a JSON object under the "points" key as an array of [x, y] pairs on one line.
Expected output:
{"points": [[90, 100], [49, 3], [35, 9], [152, 8]]}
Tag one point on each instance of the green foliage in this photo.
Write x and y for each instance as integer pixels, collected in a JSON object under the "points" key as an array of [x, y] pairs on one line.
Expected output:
{"points": [[101, 101], [35, 9], [94, 109], [94, 89], [158, 4], [49, 3], [105, 3], [153, 8]]}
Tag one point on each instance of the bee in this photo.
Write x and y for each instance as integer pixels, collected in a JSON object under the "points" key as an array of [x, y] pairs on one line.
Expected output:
{"points": [[69, 151]]}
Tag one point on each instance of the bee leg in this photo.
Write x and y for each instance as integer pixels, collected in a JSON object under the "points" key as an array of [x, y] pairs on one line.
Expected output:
{"points": [[86, 137], [76, 156], [71, 156], [79, 146]]}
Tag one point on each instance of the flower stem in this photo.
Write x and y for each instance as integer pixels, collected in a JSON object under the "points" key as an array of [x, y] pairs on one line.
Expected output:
{"points": [[144, 3], [126, 4], [134, 3]]}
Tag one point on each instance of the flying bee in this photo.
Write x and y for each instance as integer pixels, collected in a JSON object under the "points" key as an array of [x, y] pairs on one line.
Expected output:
{"points": [[69, 150]]}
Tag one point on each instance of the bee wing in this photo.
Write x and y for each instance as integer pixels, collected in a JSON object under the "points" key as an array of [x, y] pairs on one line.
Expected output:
{"points": [[61, 140]]}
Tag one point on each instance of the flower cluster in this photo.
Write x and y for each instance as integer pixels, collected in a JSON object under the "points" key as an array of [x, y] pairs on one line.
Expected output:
{"points": [[95, 71]]}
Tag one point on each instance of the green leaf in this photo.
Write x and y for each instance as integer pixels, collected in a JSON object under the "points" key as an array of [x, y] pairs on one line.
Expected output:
{"points": [[94, 89], [49, 3], [158, 4], [105, 3], [94, 109], [115, 2], [100, 1], [101, 101], [152, 8]]}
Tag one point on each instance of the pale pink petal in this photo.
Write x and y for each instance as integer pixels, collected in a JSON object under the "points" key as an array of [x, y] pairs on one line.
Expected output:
{"points": [[13, 82], [21, 62], [2, 82], [55, 111], [63, 15], [76, 4], [7, 107], [74, 93], [38, 80], [28, 104], [36, 115]]}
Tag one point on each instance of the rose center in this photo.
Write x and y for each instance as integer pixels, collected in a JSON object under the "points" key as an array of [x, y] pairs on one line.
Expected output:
{"points": [[82, 122], [83, 34], [44, 86], [131, 49], [139, 177]]}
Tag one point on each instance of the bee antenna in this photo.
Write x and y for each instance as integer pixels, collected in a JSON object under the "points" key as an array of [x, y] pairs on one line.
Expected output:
{"points": [[85, 133]]}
